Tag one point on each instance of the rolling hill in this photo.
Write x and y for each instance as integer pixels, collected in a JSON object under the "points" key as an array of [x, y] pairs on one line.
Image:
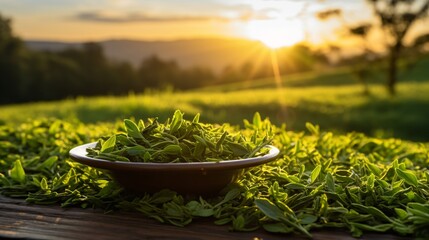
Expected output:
{"points": [[212, 53]]}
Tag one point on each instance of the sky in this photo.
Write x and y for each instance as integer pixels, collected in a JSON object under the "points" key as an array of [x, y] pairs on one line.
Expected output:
{"points": [[274, 22]]}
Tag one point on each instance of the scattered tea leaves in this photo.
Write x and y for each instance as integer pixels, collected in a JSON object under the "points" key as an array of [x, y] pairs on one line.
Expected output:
{"points": [[320, 180]]}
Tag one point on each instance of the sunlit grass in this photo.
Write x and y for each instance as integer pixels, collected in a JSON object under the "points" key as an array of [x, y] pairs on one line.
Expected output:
{"points": [[337, 108]]}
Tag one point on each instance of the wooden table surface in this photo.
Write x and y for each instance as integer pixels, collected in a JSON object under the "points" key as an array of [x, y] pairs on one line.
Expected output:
{"points": [[19, 220]]}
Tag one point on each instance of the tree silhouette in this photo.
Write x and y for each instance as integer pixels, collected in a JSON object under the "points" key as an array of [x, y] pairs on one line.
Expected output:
{"points": [[362, 63], [396, 18], [11, 63], [362, 67], [421, 41]]}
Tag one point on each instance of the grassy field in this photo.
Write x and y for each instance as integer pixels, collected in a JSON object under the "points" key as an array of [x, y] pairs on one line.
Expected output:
{"points": [[331, 99]]}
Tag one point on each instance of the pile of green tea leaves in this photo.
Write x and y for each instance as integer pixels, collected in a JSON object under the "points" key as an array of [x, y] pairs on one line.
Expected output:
{"points": [[320, 180], [178, 140]]}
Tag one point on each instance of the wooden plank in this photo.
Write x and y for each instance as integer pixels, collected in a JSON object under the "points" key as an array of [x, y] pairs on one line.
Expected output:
{"points": [[21, 220]]}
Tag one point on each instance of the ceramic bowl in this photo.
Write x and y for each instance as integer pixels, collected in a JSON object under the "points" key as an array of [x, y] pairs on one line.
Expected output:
{"points": [[201, 178]]}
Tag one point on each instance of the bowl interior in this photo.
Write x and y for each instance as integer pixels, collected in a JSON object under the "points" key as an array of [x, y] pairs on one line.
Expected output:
{"points": [[203, 178]]}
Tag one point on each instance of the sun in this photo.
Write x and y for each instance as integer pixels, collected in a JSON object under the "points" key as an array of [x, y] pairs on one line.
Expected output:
{"points": [[275, 33]]}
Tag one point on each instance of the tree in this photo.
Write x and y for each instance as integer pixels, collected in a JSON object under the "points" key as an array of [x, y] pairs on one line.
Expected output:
{"points": [[396, 18], [157, 73], [360, 64], [362, 67], [93, 67], [12, 54]]}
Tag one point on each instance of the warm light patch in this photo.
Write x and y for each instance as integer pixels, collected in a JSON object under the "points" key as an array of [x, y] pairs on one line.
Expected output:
{"points": [[275, 33]]}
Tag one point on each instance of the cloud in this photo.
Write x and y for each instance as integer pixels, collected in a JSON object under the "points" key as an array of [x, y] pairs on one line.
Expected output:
{"points": [[97, 16], [226, 14], [246, 13]]}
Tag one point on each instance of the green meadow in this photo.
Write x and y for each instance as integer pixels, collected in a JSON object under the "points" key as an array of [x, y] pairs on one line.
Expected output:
{"points": [[332, 99]]}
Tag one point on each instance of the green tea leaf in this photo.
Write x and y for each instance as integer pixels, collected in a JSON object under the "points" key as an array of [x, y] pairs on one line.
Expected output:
{"points": [[230, 195], [407, 176], [238, 222], [48, 163], [370, 182], [196, 118], [44, 184], [238, 149], [257, 122], [269, 209], [330, 182], [221, 141], [132, 129], [308, 219], [197, 209], [141, 125], [200, 140], [146, 157], [374, 169], [315, 173], [172, 150], [376, 228], [418, 209], [377, 213], [312, 128], [108, 145], [402, 214], [275, 213], [136, 150], [223, 221], [277, 228], [17, 173], [176, 122]]}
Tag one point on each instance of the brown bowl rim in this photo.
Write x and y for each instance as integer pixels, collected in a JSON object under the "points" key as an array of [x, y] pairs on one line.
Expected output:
{"points": [[79, 154]]}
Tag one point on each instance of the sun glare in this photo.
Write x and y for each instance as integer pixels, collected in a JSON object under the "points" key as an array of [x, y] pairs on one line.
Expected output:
{"points": [[275, 33]]}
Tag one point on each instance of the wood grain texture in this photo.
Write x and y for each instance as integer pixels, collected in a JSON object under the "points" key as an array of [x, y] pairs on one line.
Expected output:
{"points": [[19, 220]]}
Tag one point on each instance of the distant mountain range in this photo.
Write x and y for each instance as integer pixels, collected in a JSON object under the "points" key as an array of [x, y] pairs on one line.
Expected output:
{"points": [[213, 53]]}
